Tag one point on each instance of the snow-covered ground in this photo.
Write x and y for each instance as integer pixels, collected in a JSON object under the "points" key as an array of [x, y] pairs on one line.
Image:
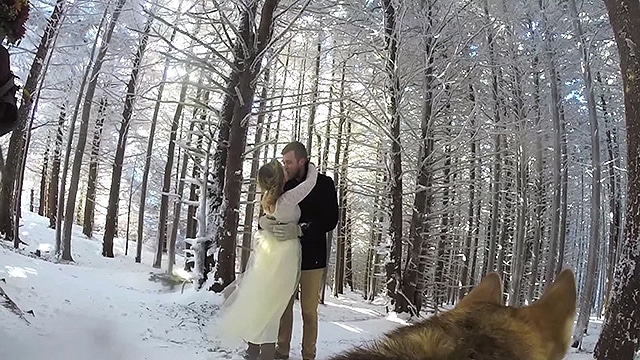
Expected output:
{"points": [[111, 309]]}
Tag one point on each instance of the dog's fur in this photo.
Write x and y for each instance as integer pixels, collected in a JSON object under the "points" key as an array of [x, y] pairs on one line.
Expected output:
{"points": [[480, 327]]}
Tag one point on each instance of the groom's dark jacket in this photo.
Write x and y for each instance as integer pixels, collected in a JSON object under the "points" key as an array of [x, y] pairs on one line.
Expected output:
{"points": [[319, 215]]}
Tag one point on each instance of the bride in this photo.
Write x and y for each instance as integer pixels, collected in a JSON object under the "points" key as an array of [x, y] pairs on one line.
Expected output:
{"points": [[256, 300]]}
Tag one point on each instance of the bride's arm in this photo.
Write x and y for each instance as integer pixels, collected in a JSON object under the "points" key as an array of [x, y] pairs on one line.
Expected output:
{"points": [[298, 193]]}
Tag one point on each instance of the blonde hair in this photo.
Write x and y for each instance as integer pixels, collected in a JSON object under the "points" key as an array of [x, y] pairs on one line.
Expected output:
{"points": [[271, 182]]}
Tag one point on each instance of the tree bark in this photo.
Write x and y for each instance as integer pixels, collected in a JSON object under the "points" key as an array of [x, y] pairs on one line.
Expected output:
{"points": [[116, 176], [586, 296], [55, 171], [59, 205], [238, 103], [82, 135], [89, 204], [255, 163], [620, 336], [615, 199], [149, 153], [42, 204], [497, 162], [419, 228], [393, 267], [557, 149], [161, 245], [16, 143], [465, 276], [314, 95]]}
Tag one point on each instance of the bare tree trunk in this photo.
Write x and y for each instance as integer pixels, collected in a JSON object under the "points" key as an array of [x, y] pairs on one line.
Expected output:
{"points": [[197, 129], [129, 103], [620, 337], [327, 130], [251, 193], [296, 131], [17, 141], [82, 135], [161, 245], [394, 271], [42, 204], [314, 94], [557, 147], [90, 206], [285, 76], [192, 224], [467, 280], [133, 175], [249, 64], [147, 163], [58, 205], [177, 205], [338, 278], [323, 168], [564, 181], [419, 228], [586, 296], [348, 244], [55, 170], [497, 163], [345, 275], [615, 200]]}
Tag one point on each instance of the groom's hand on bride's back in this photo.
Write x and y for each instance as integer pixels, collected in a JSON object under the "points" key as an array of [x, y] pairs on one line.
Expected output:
{"points": [[267, 223], [285, 231]]}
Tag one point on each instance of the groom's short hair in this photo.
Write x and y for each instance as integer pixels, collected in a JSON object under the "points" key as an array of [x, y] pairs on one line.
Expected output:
{"points": [[299, 150]]}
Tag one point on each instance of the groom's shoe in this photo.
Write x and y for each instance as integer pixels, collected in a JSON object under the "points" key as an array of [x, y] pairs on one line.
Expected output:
{"points": [[252, 352]]}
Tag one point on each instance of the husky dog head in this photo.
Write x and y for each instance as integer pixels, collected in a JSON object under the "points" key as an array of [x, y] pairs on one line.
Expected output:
{"points": [[480, 327]]}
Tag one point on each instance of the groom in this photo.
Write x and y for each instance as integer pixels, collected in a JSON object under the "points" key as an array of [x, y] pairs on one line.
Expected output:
{"points": [[319, 215]]}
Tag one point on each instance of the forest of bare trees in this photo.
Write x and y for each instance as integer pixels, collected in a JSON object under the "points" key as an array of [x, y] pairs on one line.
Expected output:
{"points": [[463, 137]]}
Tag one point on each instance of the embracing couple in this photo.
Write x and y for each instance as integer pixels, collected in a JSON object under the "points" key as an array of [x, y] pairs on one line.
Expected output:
{"points": [[289, 252]]}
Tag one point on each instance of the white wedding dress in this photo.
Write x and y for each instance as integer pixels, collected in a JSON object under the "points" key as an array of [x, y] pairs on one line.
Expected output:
{"points": [[256, 300]]}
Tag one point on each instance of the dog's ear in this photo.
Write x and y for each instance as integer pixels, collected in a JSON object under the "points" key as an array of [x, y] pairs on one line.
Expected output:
{"points": [[488, 291], [554, 312], [559, 300]]}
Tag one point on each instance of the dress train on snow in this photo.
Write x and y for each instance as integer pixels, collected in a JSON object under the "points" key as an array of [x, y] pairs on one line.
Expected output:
{"points": [[256, 300]]}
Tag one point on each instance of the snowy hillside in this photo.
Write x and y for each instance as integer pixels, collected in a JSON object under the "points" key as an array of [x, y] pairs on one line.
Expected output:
{"points": [[109, 309]]}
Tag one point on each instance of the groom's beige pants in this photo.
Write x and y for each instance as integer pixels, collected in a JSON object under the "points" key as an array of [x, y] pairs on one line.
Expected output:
{"points": [[310, 283]]}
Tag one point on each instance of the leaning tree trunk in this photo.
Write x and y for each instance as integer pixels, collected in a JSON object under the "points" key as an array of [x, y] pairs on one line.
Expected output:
{"points": [[237, 106], [60, 193], [89, 204], [393, 268], [82, 134], [16, 143], [116, 177], [586, 296], [620, 336]]}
